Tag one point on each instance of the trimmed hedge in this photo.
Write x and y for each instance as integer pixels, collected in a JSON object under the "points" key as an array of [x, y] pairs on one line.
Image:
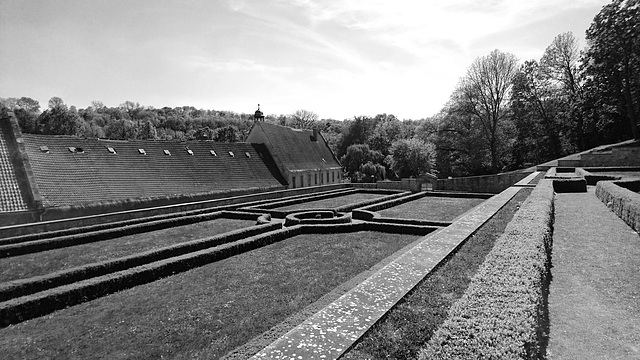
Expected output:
{"points": [[18, 309], [17, 288], [308, 217], [503, 312], [569, 185], [622, 198], [593, 179]]}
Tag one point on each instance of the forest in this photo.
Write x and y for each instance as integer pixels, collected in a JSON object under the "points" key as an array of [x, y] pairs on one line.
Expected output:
{"points": [[504, 114]]}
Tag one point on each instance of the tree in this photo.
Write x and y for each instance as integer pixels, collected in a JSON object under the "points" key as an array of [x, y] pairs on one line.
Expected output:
{"points": [[612, 59], [229, 134], [358, 155], [387, 130], [411, 157], [304, 119], [486, 90], [59, 120]]}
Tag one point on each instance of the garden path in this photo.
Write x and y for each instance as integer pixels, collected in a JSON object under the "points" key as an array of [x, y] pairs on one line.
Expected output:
{"points": [[594, 299]]}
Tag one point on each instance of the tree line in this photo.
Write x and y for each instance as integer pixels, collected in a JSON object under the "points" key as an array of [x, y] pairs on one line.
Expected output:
{"points": [[503, 114]]}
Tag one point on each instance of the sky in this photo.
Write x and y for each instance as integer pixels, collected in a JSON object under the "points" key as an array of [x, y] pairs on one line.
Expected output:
{"points": [[338, 59]]}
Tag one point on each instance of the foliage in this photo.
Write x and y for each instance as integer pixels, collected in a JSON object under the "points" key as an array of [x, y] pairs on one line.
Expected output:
{"points": [[411, 157], [304, 119], [358, 155]]}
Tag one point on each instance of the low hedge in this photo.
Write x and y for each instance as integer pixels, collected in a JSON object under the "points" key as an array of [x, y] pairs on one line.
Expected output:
{"points": [[21, 287], [18, 309], [570, 185], [302, 199], [502, 314], [21, 248], [593, 179], [350, 207], [308, 217], [622, 198]]}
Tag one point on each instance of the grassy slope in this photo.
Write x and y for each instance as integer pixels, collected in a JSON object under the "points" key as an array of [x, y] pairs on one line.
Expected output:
{"points": [[594, 301], [431, 208], [207, 311], [45, 262], [409, 325]]}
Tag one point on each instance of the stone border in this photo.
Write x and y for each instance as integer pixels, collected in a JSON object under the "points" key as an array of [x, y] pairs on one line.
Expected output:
{"points": [[333, 330]]}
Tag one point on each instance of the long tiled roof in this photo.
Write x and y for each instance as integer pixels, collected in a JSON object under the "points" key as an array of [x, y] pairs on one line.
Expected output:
{"points": [[10, 195], [295, 149], [92, 173]]}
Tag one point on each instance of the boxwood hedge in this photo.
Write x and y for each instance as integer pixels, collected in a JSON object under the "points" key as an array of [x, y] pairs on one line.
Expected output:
{"points": [[503, 312], [623, 199]]}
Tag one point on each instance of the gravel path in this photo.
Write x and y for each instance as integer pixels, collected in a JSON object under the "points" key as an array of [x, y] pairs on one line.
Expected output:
{"points": [[594, 300]]}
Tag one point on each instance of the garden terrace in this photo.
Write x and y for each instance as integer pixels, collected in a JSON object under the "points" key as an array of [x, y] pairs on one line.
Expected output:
{"points": [[623, 198]]}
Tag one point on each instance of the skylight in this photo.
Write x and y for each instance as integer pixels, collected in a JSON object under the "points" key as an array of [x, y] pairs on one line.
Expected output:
{"points": [[71, 149], [167, 152], [111, 150], [190, 151], [231, 154], [44, 149], [142, 152], [247, 154], [213, 153]]}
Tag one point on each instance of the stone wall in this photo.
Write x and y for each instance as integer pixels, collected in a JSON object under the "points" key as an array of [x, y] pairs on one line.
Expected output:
{"points": [[483, 184], [623, 156]]}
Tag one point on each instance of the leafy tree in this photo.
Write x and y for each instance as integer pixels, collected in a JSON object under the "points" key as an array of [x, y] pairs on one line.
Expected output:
{"points": [[356, 131], [411, 157], [612, 61], [387, 130], [358, 155], [59, 120], [486, 89], [229, 134]]}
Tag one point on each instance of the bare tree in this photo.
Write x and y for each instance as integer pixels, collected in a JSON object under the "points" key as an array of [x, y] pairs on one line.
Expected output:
{"points": [[304, 119], [560, 62], [486, 89]]}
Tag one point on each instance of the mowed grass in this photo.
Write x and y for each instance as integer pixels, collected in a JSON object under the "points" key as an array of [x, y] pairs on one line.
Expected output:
{"points": [[432, 208], [412, 322], [24, 266], [205, 312], [334, 202]]}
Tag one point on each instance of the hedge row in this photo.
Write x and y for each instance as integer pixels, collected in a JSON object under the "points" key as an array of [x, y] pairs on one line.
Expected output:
{"points": [[21, 287], [18, 309], [367, 215], [300, 200], [308, 217], [350, 207], [503, 312], [623, 199], [593, 179], [27, 307]]}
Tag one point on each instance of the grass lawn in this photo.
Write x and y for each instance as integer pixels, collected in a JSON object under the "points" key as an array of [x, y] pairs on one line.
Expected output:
{"points": [[432, 208], [412, 322], [205, 312], [334, 202], [24, 266]]}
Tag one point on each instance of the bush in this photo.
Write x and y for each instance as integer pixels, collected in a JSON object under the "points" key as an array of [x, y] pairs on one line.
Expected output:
{"points": [[619, 196], [502, 313]]}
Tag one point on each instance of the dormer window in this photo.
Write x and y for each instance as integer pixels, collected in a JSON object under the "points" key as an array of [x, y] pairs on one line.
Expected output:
{"points": [[167, 152], [213, 153], [71, 149], [44, 149], [111, 150], [142, 152]]}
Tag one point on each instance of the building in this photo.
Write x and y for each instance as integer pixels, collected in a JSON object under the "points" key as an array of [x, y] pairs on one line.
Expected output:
{"points": [[302, 156]]}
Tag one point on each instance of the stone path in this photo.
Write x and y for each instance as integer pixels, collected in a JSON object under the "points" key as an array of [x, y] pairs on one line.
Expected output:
{"points": [[594, 300], [334, 329]]}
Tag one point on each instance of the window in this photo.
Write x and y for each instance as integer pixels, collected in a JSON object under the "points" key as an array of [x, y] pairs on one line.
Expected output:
{"points": [[308, 179], [293, 181], [315, 177], [327, 177], [71, 149], [301, 181], [111, 150], [231, 154], [333, 176], [44, 149], [213, 153], [142, 152], [167, 152], [247, 154], [190, 152]]}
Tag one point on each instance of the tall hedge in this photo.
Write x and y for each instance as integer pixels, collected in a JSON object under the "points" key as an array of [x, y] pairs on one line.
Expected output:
{"points": [[619, 196], [503, 312]]}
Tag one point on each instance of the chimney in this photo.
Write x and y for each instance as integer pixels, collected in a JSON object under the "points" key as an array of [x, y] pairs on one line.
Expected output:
{"points": [[315, 134]]}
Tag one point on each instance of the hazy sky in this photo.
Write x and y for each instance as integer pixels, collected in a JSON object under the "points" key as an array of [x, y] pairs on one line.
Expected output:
{"points": [[336, 58]]}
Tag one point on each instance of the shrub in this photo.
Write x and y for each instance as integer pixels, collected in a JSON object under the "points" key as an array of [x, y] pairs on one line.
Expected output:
{"points": [[501, 314], [619, 196]]}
